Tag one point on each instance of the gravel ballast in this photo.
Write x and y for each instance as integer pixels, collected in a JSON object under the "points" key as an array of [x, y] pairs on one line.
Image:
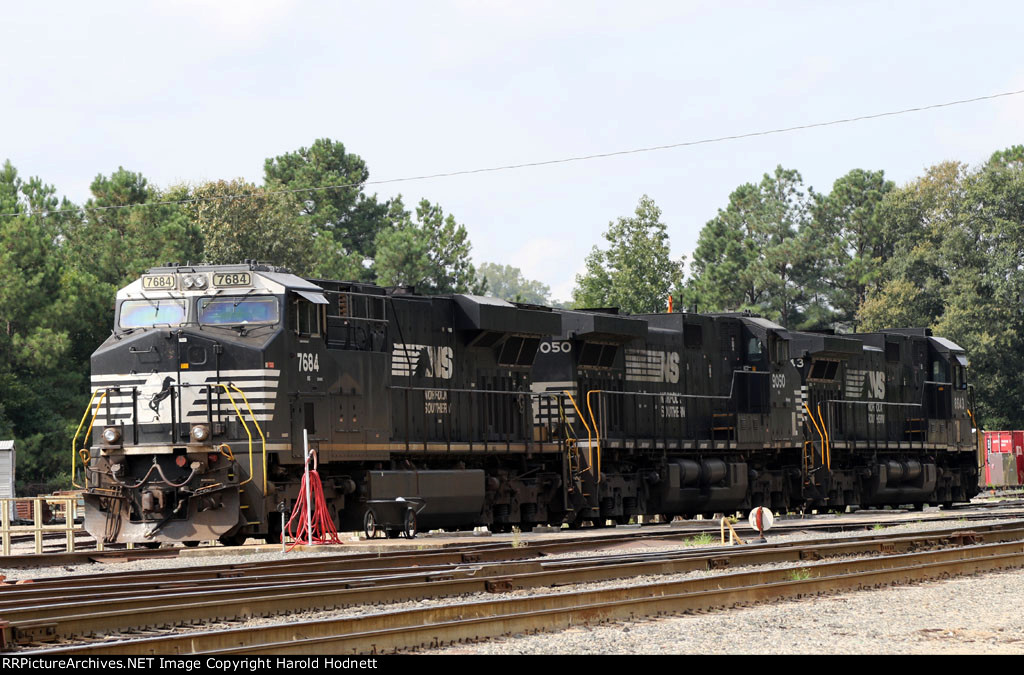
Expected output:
{"points": [[963, 615]]}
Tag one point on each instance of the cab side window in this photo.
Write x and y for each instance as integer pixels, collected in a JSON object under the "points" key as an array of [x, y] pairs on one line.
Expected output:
{"points": [[754, 349], [306, 319]]}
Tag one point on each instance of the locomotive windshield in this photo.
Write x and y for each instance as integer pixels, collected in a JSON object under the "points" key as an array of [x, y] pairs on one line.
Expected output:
{"points": [[147, 313], [238, 310]]}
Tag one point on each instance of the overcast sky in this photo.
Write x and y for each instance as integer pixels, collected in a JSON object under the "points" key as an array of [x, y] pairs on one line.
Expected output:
{"points": [[195, 90]]}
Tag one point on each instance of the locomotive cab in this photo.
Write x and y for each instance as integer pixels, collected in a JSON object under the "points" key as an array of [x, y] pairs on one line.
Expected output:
{"points": [[183, 400]]}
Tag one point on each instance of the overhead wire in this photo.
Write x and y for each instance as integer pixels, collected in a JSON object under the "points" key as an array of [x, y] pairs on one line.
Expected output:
{"points": [[547, 162]]}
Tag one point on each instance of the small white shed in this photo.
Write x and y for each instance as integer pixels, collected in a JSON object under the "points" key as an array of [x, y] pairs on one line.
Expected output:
{"points": [[7, 472]]}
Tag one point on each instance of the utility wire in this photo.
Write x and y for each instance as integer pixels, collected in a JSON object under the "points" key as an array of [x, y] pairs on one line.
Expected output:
{"points": [[547, 162]]}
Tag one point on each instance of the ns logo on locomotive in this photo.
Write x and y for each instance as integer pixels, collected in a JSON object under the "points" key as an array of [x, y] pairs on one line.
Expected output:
{"points": [[484, 412]]}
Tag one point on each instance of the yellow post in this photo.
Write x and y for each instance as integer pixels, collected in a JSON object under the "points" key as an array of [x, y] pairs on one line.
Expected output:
{"points": [[37, 504], [597, 432], [5, 519], [732, 533], [70, 508]]}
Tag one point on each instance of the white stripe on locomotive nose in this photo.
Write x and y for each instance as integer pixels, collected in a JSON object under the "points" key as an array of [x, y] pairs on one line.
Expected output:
{"points": [[206, 375], [259, 385]]}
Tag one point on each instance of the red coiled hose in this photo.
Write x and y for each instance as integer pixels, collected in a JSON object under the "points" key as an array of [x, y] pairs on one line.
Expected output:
{"points": [[324, 531]]}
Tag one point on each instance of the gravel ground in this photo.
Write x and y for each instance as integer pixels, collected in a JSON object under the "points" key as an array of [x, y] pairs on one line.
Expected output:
{"points": [[966, 615]]}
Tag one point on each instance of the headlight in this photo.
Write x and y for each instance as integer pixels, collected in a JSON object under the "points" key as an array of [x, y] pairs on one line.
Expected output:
{"points": [[111, 435], [200, 433], [195, 281]]}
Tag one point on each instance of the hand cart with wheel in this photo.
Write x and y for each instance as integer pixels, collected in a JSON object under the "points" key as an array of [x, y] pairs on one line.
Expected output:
{"points": [[392, 516]]}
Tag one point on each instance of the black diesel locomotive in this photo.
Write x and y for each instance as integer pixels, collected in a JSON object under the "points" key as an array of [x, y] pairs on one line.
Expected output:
{"points": [[479, 411]]}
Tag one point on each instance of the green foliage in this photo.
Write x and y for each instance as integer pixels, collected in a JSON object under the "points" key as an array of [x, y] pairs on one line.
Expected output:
{"points": [[239, 220], [508, 283], [114, 245], [41, 376], [750, 256], [636, 273], [846, 243], [344, 221], [958, 267], [1010, 158], [431, 253]]}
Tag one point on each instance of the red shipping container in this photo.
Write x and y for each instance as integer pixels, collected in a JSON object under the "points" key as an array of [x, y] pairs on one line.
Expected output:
{"points": [[1004, 458]]}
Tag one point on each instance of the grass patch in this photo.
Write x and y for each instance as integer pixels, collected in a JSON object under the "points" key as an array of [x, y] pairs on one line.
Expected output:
{"points": [[878, 526], [799, 574], [703, 539]]}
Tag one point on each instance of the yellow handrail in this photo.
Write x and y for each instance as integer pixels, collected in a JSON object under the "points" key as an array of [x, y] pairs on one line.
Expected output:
{"points": [[597, 434], [820, 435], [590, 450], [565, 421], [974, 422], [247, 432], [828, 449], [263, 439], [74, 441]]}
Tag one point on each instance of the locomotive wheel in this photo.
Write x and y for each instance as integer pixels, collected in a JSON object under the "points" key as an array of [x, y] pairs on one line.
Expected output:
{"points": [[370, 526], [236, 539], [150, 544], [191, 543], [409, 525]]}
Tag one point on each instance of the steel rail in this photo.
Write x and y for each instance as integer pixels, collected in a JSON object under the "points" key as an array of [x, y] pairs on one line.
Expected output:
{"points": [[435, 626], [571, 542], [115, 585], [167, 607]]}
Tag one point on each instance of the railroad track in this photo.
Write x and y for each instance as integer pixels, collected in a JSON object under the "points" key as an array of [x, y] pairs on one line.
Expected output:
{"points": [[453, 553], [439, 626], [43, 613], [569, 539]]}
